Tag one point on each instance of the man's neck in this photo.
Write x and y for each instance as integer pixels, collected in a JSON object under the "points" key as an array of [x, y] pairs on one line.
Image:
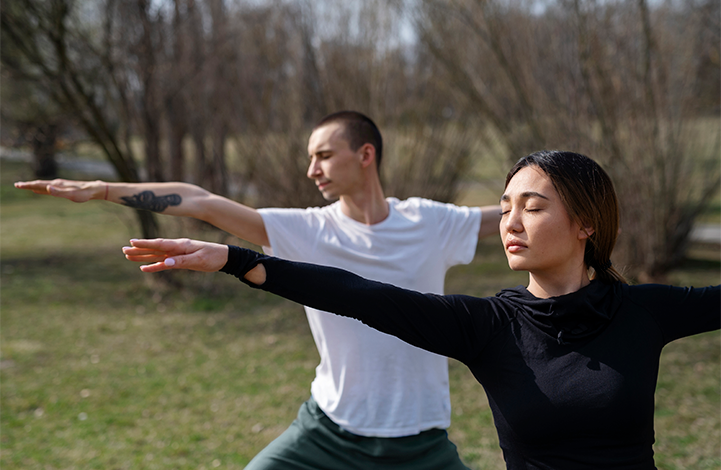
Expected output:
{"points": [[367, 207]]}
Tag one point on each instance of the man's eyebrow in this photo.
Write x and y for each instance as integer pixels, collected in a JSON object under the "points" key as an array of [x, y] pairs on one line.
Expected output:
{"points": [[525, 195], [319, 152]]}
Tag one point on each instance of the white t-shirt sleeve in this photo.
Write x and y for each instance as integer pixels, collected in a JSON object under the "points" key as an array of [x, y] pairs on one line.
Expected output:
{"points": [[457, 230], [291, 232]]}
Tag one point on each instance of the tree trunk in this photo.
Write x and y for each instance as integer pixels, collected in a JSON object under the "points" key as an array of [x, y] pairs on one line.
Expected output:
{"points": [[43, 142]]}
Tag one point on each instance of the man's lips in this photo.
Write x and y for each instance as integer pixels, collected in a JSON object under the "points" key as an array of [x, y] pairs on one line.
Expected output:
{"points": [[320, 185]]}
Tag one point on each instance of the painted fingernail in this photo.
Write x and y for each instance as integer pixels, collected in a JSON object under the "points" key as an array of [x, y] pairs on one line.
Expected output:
{"points": [[170, 262]]}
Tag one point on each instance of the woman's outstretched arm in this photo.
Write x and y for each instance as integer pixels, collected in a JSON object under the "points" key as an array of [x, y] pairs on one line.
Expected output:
{"points": [[454, 326]]}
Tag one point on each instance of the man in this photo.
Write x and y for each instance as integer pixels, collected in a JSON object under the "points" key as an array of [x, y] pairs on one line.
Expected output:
{"points": [[376, 402]]}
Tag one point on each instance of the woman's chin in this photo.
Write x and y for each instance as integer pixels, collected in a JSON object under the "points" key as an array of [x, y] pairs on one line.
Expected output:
{"points": [[517, 264]]}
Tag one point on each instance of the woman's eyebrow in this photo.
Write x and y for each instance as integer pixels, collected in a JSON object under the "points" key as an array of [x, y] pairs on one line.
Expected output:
{"points": [[525, 195]]}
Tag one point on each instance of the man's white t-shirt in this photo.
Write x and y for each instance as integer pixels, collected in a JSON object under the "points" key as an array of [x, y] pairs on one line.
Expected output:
{"points": [[370, 383]]}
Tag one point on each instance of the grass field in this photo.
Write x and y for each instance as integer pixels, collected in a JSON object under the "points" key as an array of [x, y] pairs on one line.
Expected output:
{"points": [[104, 367]]}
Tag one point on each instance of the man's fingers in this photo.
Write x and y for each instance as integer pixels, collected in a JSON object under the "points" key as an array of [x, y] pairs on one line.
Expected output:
{"points": [[57, 190], [38, 187], [71, 190], [41, 185], [31, 184], [72, 193]]}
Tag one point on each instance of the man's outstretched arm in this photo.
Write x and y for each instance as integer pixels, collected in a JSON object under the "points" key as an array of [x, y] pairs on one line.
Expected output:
{"points": [[490, 218], [178, 199]]}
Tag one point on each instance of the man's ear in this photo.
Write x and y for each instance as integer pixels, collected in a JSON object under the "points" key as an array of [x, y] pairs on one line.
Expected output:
{"points": [[368, 155]]}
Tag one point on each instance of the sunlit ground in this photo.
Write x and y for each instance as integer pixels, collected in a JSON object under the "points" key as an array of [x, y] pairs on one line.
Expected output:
{"points": [[103, 367]]}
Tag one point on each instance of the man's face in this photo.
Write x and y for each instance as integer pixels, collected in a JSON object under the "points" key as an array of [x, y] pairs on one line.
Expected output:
{"points": [[335, 168]]}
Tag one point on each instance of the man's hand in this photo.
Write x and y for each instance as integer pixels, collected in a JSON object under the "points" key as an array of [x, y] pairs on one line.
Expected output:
{"points": [[76, 191], [164, 254], [490, 220]]}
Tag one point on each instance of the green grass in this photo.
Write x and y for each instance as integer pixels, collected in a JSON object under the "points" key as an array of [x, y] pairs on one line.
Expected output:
{"points": [[103, 367]]}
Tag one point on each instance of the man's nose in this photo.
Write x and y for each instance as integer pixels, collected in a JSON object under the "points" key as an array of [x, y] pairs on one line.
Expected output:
{"points": [[313, 168]]}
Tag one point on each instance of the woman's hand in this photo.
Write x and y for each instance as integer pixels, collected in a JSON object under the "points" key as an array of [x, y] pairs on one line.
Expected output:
{"points": [[164, 254]]}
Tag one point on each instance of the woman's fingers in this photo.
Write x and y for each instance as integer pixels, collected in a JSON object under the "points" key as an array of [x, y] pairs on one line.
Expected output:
{"points": [[165, 245], [146, 258], [154, 260], [163, 254], [155, 267], [135, 251], [144, 255]]}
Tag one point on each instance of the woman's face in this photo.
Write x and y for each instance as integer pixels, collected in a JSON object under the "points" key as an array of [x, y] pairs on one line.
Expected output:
{"points": [[537, 233]]}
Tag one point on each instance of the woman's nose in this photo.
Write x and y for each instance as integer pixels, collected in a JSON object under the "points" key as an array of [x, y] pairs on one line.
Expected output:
{"points": [[512, 222]]}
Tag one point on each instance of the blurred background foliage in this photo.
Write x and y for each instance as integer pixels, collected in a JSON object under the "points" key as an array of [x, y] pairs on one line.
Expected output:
{"points": [[223, 94]]}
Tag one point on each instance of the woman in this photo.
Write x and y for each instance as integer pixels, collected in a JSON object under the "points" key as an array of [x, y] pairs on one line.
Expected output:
{"points": [[569, 363]]}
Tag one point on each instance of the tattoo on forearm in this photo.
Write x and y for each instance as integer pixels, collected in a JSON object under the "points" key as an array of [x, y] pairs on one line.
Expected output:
{"points": [[147, 200]]}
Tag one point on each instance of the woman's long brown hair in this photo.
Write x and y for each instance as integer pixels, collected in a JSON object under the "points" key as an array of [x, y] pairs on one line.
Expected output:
{"points": [[590, 199]]}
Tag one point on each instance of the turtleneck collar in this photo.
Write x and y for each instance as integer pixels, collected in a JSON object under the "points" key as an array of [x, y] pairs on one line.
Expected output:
{"points": [[569, 318]]}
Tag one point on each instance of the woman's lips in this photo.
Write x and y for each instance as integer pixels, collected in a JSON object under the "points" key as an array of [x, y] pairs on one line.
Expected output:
{"points": [[515, 246]]}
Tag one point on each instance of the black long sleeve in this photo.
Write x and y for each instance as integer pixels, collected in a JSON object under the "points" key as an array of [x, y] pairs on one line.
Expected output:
{"points": [[440, 324], [570, 379]]}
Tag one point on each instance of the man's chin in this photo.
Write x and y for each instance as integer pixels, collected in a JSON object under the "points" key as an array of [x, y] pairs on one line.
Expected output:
{"points": [[329, 196]]}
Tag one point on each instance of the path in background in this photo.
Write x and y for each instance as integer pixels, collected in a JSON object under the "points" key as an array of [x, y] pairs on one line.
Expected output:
{"points": [[92, 168], [706, 233]]}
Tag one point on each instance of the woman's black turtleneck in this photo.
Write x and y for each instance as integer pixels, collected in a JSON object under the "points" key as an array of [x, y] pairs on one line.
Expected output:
{"points": [[570, 379]]}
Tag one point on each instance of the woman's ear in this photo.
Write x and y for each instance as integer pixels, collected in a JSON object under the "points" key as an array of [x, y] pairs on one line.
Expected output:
{"points": [[585, 232]]}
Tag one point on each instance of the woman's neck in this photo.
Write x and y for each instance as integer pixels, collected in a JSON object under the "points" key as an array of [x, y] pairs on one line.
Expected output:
{"points": [[545, 286]]}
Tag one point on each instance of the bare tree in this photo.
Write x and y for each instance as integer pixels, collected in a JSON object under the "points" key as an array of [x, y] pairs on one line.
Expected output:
{"points": [[32, 118], [70, 63], [244, 83], [146, 46], [598, 78], [175, 100]]}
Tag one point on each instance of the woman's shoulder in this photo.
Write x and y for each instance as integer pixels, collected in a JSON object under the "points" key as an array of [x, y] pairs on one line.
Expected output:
{"points": [[679, 311], [655, 292]]}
